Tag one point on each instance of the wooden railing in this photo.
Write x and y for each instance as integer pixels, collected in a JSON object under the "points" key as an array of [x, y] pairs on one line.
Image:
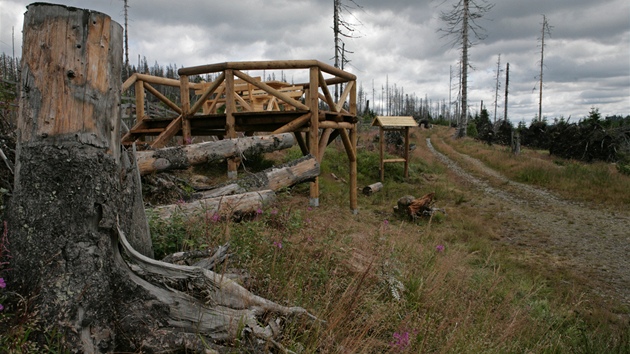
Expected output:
{"points": [[234, 92]]}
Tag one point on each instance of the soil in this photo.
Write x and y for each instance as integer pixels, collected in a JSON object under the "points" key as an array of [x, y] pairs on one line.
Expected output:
{"points": [[587, 241]]}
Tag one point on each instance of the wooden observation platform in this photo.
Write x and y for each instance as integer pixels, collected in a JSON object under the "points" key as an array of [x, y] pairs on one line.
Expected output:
{"points": [[236, 102]]}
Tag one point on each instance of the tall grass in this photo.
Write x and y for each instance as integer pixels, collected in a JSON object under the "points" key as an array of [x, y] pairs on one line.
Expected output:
{"points": [[386, 284]]}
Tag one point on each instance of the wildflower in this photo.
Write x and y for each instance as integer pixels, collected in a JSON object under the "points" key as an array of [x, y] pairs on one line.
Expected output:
{"points": [[386, 222], [1, 307], [180, 201], [2, 283], [259, 211], [309, 208], [439, 248], [277, 244], [274, 211], [215, 217], [401, 340]]}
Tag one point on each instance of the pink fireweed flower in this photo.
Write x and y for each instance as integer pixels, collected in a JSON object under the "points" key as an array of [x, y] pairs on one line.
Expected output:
{"points": [[274, 211], [401, 340], [1, 307], [2, 283], [439, 248], [385, 222], [259, 211], [277, 244]]}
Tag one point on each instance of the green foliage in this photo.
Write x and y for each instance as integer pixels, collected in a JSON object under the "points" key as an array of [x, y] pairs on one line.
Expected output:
{"points": [[471, 130]]}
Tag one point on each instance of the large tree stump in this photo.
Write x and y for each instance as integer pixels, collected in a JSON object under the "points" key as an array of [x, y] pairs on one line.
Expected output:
{"points": [[75, 204]]}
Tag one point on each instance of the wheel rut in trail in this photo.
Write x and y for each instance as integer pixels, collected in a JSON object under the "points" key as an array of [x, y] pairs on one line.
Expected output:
{"points": [[594, 243]]}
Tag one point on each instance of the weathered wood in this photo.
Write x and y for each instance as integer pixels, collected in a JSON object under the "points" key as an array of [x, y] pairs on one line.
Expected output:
{"points": [[263, 86], [225, 206], [182, 157], [312, 98], [294, 124], [267, 65], [71, 206], [275, 178], [209, 91], [372, 188], [161, 97]]}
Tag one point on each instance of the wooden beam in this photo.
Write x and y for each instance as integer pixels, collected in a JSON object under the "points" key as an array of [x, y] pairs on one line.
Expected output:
{"points": [[230, 122], [335, 125], [347, 143], [323, 142], [162, 98], [301, 143], [354, 136], [313, 102], [381, 141], [213, 105], [327, 96], [406, 152], [263, 86], [294, 124], [170, 131], [130, 81], [215, 84], [344, 96], [139, 101], [185, 97]]}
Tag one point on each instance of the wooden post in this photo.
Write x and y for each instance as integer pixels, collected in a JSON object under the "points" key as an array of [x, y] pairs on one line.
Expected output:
{"points": [[313, 103], [230, 122], [353, 161], [382, 152], [139, 87], [185, 93], [406, 152]]}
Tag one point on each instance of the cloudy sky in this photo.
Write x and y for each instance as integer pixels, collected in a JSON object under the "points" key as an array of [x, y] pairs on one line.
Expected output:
{"points": [[587, 56]]}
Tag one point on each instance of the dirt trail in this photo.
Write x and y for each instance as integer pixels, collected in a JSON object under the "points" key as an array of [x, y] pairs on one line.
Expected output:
{"points": [[594, 243]]}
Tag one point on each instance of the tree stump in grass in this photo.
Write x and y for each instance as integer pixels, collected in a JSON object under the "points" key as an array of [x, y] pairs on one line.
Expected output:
{"points": [[76, 210]]}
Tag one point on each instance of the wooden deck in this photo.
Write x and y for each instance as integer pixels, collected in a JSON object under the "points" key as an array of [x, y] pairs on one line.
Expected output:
{"points": [[237, 103]]}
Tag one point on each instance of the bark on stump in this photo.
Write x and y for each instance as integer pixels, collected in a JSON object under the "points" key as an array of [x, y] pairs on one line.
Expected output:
{"points": [[75, 199]]}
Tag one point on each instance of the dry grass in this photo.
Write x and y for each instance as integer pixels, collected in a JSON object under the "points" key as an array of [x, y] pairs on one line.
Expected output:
{"points": [[597, 182], [389, 285]]}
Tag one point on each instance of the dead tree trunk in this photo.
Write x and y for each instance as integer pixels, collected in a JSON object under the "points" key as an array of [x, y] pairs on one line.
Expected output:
{"points": [[73, 205], [283, 176], [181, 157], [224, 206]]}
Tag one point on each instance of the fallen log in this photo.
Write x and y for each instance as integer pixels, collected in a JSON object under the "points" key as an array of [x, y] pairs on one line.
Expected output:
{"points": [[182, 157], [223, 206], [372, 188], [283, 176]]}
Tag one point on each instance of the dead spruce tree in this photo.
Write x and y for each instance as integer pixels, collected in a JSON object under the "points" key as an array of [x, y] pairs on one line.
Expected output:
{"points": [[460, 22], [80, 245]]}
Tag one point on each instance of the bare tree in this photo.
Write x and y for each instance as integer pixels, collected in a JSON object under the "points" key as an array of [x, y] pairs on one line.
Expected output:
{"points": [[496, 90], [342, 28], [546, 29], [460, 22]]}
